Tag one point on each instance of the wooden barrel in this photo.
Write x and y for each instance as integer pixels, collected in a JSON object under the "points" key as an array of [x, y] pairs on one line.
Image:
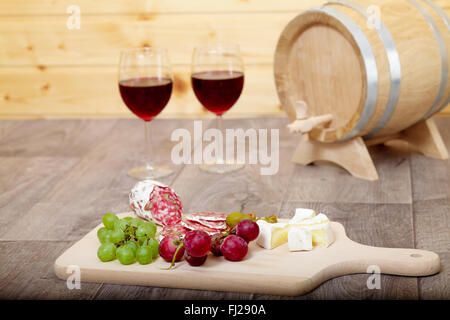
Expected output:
{"points": [[378, 69]]}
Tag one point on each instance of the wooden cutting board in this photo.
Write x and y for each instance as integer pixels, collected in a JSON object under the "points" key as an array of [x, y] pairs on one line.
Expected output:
{"points": [[277, 271]]}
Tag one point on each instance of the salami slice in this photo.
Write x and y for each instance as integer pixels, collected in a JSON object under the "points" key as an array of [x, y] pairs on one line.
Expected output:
{"points": [[165, 206], [214, 224], [208, 216], [193, 225], [177, 229]]}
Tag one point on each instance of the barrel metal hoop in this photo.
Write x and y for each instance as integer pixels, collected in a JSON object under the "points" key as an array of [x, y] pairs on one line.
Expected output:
{"points": [[393, 61], [443, 54], [446, 20], [369, 64]]}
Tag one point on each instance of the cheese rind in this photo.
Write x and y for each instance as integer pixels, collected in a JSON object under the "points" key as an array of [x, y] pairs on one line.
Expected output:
{"points": [[272, 235], [322, 234], [299, 239], [317, 220], [302, 214]]}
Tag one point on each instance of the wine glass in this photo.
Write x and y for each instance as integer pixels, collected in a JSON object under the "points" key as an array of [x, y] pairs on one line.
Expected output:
{"points": [[145, 84], [217, 75]]}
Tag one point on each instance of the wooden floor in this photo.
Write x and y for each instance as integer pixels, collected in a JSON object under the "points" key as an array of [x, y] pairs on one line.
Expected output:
{"points": [[58, 177]]}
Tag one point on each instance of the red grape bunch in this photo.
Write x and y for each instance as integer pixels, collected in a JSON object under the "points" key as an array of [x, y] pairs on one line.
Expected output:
{"points": [[194, 247], [232, 244]]}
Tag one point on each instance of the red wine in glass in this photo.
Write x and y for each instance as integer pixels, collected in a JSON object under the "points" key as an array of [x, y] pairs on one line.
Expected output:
{"points": [[217, 75], [218, 90], [146, 97], [145, 85]]}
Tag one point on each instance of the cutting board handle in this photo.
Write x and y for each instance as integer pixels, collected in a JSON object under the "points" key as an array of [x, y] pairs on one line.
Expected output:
{"points": [[396, 261]]}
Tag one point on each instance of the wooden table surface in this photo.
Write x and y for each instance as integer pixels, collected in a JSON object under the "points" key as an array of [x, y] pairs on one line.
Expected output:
{"points": [[58, 177]]}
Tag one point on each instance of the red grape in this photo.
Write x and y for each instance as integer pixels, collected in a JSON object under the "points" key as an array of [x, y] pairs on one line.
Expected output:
{"points": [[234, 248], [168, 246], [247, 229], [194, 261], [197, 243], [216, 242]]}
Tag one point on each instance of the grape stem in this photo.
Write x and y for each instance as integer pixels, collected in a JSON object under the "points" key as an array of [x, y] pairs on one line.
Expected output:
{"points": [[174, 256]]}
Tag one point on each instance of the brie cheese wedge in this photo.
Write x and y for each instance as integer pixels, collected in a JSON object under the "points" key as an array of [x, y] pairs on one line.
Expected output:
{"points": [[320, 228], [322, 234], [317, 220], [304, 231], [302, 214], [272, 235], [299, 239]]}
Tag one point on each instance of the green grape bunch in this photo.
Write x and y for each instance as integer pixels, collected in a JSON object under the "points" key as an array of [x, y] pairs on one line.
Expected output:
{"points": [[127, 239]]}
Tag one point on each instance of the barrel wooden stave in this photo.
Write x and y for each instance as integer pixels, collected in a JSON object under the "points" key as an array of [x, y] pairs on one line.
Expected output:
{"points": [[418, 54]]}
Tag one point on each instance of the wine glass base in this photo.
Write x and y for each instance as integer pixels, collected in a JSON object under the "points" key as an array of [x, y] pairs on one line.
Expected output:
{"points": [[155, 172], [221, 168]]}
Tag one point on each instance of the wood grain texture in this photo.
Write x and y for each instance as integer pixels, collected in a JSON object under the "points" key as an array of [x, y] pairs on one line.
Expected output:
{"points": [[49, 7], [333, 184], [46, 41], [437, 286], [425, 138], [432, 219], [26, 180], [58, 206], [63, 194], [432, 175], [100, 7], [431, 208], [244, 190], [93, 91], [352, 155], [370, 224], [26, 272], [65, 138], [7, 127], [49, 71]]}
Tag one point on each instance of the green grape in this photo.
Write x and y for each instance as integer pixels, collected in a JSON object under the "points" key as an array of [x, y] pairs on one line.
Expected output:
{"points": [[145, 231], [101, 234], [109, 219], [142, 239], [141, 232], [128, 218], [132, 245], [106, 252], [106, 237], [234, 218], [116, 236], [125, 255], [135, 222], [153, 245], [150, 227], [120, 224], [144, 255]]}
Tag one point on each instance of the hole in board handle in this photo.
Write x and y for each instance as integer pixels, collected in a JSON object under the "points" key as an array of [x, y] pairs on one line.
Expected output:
{"points": [[415, 255]]}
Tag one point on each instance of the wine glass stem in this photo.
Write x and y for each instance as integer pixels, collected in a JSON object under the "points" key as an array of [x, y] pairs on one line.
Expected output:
{"points": [[219, 124], [148, 147], [220, 160]]}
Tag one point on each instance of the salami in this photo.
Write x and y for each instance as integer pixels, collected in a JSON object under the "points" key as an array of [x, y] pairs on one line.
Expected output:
{"points": [[165, 206], [214, 224], [193, 225], [177, 229], [139, 197], [208, 216], [152, 200]]}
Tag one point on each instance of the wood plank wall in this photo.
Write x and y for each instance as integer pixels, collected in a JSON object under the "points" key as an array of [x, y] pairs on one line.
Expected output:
{"points": [[47, 70]]}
